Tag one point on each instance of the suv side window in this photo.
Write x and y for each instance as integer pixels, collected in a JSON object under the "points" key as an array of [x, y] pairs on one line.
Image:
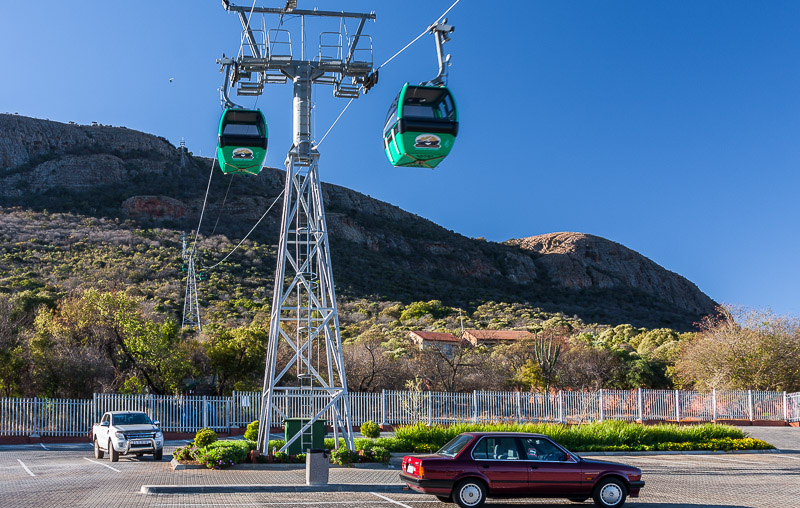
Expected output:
{"points": [[106, 418]]}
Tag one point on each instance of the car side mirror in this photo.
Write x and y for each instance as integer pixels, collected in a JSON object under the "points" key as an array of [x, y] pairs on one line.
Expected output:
{"points": [[104, 424], [156, 423]]}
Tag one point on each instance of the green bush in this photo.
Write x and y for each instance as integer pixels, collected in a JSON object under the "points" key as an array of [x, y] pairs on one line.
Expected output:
{"points": [[222, 454], [373, 454], [252, 431], [183, 453], [204, 437], [370, 429], [343, 456]]}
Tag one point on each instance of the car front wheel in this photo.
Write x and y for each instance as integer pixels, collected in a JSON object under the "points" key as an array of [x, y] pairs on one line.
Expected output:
{"points": [[469, 493], [610, 493], [114, 453], [98, 453], [158, 455]]}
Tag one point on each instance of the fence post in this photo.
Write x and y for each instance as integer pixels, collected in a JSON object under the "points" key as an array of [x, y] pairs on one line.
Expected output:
{"points": [[785, 408], [678, 406], [430, 409], [519, 407], [641, 407], [475, 406], [560, 406], [602, 412], [714, 405], [383, 407], [750, 404], [205, 412]]}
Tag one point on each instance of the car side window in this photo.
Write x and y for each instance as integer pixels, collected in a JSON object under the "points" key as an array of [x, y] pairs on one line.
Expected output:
{"points": [[542, 449], [496, 448], [106, 418]]}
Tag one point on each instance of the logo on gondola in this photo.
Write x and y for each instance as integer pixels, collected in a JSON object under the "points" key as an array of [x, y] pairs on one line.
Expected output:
{"points": [[428, 141], [242, 153]]}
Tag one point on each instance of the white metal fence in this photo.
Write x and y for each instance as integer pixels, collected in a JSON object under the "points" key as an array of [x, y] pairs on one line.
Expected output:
{"points": [[73, 417]]}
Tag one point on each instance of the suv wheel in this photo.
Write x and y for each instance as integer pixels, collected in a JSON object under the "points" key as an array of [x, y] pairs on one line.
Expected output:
{"points": [[114, 453], [98, 453], [158, 454]]}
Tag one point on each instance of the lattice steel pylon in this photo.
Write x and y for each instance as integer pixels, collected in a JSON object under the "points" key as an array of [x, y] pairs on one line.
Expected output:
{"points": [[191, 308], [305, 372]]}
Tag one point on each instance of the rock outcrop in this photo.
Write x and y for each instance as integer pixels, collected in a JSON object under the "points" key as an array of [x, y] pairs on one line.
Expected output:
{"points": [[580, 261]]}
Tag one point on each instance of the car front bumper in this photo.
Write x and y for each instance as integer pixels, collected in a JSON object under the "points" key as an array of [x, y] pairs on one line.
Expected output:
{"points": [[128, 447], [633, 491]]}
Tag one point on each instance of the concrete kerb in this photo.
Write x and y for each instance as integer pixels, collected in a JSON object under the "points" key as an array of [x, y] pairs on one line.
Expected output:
{"points": [[246, 489]]}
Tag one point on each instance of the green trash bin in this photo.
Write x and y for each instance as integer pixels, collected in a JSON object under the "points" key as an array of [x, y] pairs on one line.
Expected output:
{"points": [[312, 438]]}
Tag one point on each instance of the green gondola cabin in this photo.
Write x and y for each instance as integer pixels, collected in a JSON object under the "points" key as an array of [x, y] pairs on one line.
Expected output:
{"points": [[242, 141], [421, 126]]}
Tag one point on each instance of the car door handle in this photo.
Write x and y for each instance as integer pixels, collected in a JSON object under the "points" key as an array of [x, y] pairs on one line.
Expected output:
{"points": [[485, 466], [533, 466]]}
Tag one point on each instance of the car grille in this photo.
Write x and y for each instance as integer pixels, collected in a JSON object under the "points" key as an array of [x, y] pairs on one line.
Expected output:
{"points": [[141, 435]]}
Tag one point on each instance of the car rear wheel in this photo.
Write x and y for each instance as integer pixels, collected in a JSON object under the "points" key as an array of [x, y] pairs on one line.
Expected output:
{"points": [[469, 493], [98, 453], [114, 453], [158, 455], [610, 493], [445, 499]]}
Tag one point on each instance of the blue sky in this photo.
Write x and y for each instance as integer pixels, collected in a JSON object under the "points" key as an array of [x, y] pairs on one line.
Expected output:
{"points": [[669, 127]]}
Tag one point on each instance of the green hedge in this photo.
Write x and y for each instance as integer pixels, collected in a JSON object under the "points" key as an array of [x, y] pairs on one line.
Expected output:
{"points": [[611, 435]]}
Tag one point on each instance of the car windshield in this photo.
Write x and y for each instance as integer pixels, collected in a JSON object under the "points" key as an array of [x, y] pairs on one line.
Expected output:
{"points": [[455, 445], [132, 419]]}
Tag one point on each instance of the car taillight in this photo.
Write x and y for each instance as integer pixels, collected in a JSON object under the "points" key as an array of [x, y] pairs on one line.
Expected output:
{"points": [[421, 471]]}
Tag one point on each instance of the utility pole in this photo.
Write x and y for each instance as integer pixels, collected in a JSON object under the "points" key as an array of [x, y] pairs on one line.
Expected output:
{"points": [[191, 308], [304, 313], [183, 153]]}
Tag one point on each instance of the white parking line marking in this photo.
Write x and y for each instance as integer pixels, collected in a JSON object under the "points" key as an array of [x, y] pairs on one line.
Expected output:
{"points": [[390, 499], [788, 457], [43, 446], [294, 503], [741, 461], [104, 465], [25, 467]]}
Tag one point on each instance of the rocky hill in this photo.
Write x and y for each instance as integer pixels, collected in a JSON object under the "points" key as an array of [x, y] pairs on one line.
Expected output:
{"points": [[379, 250]]}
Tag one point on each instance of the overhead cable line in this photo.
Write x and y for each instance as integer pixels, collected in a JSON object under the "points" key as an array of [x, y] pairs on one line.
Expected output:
{"points": [[202, 212], [248, 233]]}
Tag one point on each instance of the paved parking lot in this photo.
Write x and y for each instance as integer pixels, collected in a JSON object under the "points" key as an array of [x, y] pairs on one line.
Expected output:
{"points": [[68, 475]]}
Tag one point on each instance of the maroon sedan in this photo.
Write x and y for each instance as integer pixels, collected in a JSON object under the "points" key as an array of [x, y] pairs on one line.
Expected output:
{"points": [[477, 465]]}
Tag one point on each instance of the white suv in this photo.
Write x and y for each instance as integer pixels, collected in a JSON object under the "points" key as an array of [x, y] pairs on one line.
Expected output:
{"points": [[127, 433]]}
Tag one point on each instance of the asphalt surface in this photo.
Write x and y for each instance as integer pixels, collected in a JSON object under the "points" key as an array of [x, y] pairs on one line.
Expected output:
{"points": [[68, 475]]}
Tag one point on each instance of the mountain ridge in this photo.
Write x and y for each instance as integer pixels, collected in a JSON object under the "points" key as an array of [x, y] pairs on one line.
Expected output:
{"points": [[379, 250]]}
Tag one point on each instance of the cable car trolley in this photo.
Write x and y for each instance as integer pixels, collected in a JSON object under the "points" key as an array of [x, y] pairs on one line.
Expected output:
{"points": [[242, 141], [422, 122]]}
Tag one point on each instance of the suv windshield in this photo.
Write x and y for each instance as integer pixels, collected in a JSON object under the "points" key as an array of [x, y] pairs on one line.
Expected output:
{"points": [[455, 445], [132, 419]]}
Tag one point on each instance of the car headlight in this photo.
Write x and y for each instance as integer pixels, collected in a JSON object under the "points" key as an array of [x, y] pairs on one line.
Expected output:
{"points": [[119, 435], [159, 435]]}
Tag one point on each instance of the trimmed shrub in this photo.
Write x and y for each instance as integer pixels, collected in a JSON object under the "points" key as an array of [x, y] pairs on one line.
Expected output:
{"points": [[204, 437], [370, 429], [343, 457], [252, 431], [223, 454]]}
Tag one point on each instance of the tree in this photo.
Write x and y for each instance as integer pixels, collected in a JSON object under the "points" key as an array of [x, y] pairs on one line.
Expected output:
{"points": [[237, 357], [743, 349]]}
